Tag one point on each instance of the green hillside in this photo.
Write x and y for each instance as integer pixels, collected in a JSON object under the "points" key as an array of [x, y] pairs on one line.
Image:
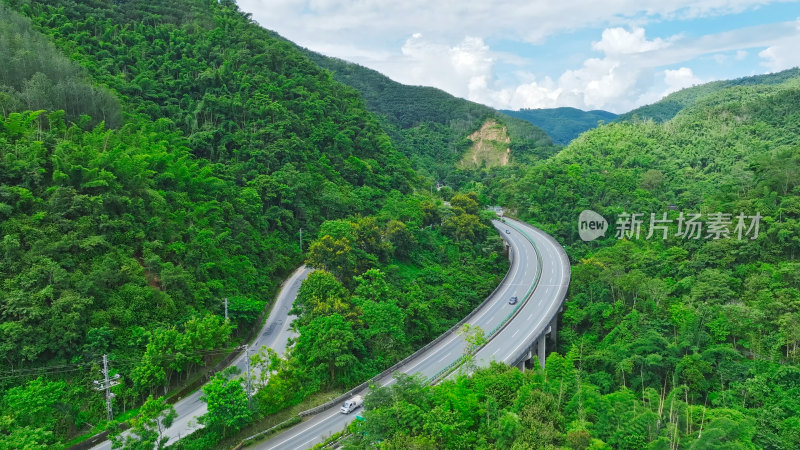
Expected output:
{"points": [[169, 163], [225, 154], [431, 126], [159, 157], [669, 106], [707, 328], [676, 342], [562, 124]]}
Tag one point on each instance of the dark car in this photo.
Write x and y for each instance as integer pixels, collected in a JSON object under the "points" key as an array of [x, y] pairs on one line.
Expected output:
{"points": [[508, 232], [512, 300]]}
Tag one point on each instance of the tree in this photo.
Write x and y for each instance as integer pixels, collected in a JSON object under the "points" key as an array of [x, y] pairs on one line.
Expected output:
{"points": [[228, 408], [325, 347], [475, 337], [465, 203], [263, 364], [333, 255], [321, 294], [148, 428], [40, 404], [464, 227], [402, 240]]}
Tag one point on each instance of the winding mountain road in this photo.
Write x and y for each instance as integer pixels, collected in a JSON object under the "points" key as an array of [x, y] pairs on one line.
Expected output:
{"points": [[538, 276], [274, 334]]}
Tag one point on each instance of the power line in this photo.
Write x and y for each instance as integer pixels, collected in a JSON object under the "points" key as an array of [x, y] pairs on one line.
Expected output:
{"points": [[118, 362]]}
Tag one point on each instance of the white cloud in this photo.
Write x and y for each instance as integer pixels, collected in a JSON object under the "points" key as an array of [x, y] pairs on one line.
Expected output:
{"points": [[445, 44], [780, 57], [784, 54], [626, 76], [319, 21], [679, 79], [619, 41], [463, 69], [466, 69]]}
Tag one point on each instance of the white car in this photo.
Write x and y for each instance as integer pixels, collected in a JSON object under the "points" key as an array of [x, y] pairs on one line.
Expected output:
{"points": [[351, 404]]}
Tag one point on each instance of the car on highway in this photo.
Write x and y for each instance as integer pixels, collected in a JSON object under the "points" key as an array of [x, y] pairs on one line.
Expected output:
{"points": [[512, 300], [508, 232], [351, 404]]}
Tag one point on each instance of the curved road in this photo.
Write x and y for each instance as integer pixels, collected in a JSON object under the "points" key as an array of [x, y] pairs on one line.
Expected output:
{"points": [[274, 334], [542, 307], [549, 286]]}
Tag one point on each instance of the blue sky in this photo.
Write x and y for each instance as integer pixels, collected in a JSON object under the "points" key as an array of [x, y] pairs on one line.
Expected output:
{"points": [[614, 55]]}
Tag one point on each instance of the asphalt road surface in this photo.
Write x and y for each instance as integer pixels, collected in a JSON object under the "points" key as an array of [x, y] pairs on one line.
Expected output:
{"points": [[545, 300], [274, 334]]}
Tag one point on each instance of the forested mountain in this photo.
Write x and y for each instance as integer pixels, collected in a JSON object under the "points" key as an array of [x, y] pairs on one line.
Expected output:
{"points": [[169, 162], [255, 143], [683, 341], [669, 106], [431, 126], [157, 157], [562, 124], [124, 223]]}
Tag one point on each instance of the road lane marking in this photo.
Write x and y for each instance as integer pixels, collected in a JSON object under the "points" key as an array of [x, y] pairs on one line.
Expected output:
{"points": [[501, 294], [302, 431], [475, 319], [305, 444]]}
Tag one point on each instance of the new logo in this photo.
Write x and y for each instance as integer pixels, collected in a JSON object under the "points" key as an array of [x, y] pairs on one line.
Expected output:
{"points": [[591, 225]]}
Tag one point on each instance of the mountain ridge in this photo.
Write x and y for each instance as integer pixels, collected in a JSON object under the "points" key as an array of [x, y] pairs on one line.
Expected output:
{"points": [[562, 124]]}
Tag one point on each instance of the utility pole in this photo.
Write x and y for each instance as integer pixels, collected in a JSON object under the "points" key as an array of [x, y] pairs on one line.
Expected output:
{"points": [[226, 309], [301, 240], [247, 371], [105, 385]]}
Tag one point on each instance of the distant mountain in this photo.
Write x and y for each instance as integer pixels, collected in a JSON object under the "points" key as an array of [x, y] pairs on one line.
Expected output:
{"points": [[562, 124], [666, 108], [432, 127]]}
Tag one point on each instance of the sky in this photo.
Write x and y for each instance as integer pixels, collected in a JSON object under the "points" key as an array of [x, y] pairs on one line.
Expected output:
{"points": [[613, 55]]}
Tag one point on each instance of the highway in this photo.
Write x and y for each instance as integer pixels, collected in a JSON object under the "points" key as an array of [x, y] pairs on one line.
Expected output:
{"points": [[545, 301], [546, 285], [274, 334]]}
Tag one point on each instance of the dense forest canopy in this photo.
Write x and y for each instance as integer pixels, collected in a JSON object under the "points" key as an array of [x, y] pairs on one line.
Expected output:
{"points": [[198, 148], [669, 106], [430, 126], [203, 190], [709, 326], [156, 158], [35, 75]]}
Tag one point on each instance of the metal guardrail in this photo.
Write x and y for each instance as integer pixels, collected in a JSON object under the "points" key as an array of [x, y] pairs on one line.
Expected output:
{"points": [[449, 332], [452, 366], [286, 423], [401, 363], [521, 356], [407, 359]]}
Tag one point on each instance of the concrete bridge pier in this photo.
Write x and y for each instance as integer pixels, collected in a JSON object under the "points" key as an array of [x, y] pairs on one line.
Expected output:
{"points": [[541, 349], [540, 345]]}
